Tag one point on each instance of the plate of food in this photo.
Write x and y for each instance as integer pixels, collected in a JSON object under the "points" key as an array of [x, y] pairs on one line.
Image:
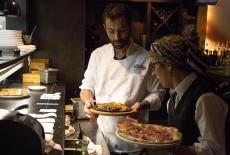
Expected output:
{"points": [[13, 93], [152, 136], [111, 109]]}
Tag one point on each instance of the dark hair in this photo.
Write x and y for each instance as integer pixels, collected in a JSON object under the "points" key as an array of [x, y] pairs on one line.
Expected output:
{"points": [[116, 10]]}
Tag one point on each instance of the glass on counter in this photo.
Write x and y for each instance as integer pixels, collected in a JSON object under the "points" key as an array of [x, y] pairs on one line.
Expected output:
{"points": [[82, 146], [76, 146]]}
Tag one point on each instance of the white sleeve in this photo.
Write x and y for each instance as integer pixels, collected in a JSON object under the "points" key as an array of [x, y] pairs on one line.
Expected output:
{"points": [[210, 115], [89, 77], [155, 91]]}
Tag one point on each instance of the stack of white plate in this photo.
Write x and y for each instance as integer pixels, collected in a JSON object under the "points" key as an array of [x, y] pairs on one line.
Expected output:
{"points": [[10, 38]]}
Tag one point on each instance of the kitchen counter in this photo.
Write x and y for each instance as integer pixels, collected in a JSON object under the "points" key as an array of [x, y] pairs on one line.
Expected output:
{"points": [[89, 128], [34, 108]]}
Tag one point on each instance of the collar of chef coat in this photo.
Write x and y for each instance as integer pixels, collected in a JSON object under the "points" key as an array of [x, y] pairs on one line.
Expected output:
{"points": [[129, 50], [183, 86]]}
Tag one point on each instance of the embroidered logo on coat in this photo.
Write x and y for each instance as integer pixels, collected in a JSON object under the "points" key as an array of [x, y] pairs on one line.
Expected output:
{"points": [[139, 67]]}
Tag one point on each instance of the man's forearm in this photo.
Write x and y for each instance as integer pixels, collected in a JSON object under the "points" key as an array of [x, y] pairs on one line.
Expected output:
{"points": [[86, 95]]}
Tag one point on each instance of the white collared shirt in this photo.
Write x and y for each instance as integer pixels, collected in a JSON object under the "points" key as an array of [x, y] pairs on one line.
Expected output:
{"points": [[210, 115], [125, 81]]}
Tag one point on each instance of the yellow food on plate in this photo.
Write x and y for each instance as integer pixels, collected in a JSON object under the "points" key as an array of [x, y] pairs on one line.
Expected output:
{"points": [[13, 92], [112, 107]]}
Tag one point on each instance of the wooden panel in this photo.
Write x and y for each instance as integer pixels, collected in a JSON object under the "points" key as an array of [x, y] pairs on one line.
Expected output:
{"points": [[148, 24], [201, 24], [157, 1], [60, 38]]}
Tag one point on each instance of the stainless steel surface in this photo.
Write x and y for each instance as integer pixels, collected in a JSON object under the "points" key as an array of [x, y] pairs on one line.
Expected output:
{"points": [[48, 75], [90, 129], [79, 106]]}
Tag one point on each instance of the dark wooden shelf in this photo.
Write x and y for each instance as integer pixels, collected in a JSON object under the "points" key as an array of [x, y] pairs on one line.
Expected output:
{"points": [[164, 20], [155, 1]]}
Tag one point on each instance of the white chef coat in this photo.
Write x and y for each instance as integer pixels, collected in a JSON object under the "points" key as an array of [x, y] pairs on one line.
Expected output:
{"points": [[210, 115], [125, 81]]}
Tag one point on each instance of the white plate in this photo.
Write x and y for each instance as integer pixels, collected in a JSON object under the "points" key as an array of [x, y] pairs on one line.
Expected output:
{"points": [[155, 146], [14, 96], [37, 87]]}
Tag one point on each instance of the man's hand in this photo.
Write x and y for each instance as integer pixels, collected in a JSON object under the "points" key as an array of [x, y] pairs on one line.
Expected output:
{"points": [[89, 114], [135, 109], [89, 103], [138, 106], [87, 98]]}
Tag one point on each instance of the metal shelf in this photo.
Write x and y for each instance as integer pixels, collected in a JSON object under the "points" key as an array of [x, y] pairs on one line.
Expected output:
{"points": [[9, 65], [6, 72], [8, 61]]}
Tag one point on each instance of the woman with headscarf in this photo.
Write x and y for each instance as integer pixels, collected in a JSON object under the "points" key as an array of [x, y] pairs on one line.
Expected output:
{"points": [[195, 110]]}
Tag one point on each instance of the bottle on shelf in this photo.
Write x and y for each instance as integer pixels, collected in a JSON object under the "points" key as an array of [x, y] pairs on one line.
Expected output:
{"points": [[206, 51], [221, 56], [214, 55]]}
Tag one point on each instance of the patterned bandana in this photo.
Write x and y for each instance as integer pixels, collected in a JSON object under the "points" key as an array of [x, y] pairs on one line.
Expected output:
{"points": [[177, 50]]}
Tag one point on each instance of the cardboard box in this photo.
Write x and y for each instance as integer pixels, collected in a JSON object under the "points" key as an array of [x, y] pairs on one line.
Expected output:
{"points": [[31, 78], [35, 71], [46, 61], [39, 64]]}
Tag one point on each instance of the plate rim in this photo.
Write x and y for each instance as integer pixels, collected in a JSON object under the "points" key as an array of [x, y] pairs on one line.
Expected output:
{"points": [[106, 113], [41, 87], [13, 96], [150, 145]]}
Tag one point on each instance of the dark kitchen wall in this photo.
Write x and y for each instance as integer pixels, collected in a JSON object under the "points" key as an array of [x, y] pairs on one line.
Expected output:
{"points": [[60, 37], [18, 23]]}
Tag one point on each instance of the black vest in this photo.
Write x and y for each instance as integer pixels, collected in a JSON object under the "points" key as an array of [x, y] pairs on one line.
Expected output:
{"points": [[183, 116]]}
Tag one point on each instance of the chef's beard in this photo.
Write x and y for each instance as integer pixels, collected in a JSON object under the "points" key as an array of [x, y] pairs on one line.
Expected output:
{"points": [[119, 44]]}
